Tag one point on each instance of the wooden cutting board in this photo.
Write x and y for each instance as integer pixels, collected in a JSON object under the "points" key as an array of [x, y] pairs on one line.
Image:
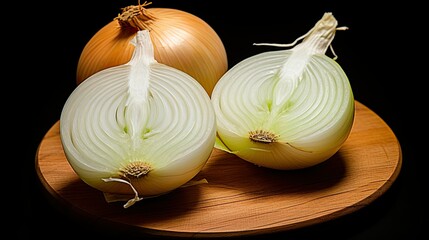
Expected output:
{"points": [[239, 198]]}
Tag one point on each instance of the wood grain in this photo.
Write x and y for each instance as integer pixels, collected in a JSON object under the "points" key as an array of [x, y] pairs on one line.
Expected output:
{"points": [[240, 199]]}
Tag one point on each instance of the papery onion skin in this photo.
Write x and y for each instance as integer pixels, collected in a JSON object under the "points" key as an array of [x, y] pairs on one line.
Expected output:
{"points": [[181, 40], [176, 129], [298, 126]]}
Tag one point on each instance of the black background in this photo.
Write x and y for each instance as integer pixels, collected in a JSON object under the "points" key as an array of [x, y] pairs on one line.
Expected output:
{"points": [[381, 53]]}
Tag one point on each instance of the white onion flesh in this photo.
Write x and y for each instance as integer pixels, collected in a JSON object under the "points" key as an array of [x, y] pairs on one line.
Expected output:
{"points": [[299, 100], [142, 111]]}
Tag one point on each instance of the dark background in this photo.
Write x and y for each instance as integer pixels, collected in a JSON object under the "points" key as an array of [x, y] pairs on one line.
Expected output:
{"points": [[381, 53]]}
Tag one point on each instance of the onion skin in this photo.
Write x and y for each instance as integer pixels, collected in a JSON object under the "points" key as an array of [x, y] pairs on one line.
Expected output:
{"points": [[181, 40]]}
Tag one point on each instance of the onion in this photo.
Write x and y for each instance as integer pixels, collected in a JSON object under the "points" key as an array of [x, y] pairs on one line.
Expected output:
{"points": [[181, 40], [286, 109], [140, 129]]}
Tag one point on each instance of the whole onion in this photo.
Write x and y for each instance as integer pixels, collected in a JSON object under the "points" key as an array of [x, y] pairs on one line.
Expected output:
{"points": [[181, 40]]}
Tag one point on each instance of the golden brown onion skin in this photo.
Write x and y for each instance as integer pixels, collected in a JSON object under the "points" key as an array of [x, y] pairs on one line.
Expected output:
{"points": [[181, 40]]}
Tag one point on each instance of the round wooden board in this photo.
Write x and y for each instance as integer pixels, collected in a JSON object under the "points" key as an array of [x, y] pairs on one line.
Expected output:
{"points": [[239, 198]]}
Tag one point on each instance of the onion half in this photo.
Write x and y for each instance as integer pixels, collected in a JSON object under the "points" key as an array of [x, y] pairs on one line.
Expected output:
{"points": [[140, 129], [286, 109]]}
